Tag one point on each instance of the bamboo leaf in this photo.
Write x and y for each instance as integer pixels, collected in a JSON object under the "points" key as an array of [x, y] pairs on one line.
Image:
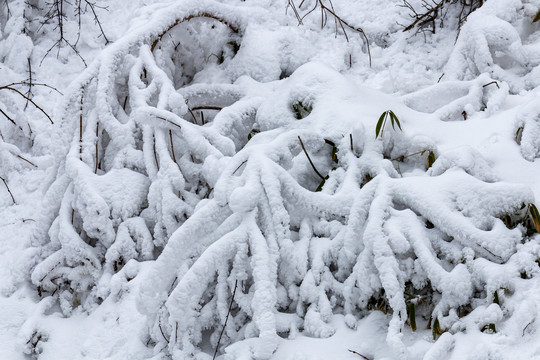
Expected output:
{"points": [[412, 317], [382, 118], [431, 159], [319, 188], [535, 216], [536, 17], [436, 331], [496, 298], [397, 120]]}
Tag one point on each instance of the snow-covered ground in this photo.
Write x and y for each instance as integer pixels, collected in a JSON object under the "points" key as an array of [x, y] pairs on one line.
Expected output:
{"points": [[195, 175]]}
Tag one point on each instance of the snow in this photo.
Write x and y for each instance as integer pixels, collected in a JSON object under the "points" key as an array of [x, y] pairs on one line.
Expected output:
{"points": [[211, 180]]}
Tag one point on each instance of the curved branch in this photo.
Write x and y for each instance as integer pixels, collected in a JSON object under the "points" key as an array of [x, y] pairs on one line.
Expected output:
{"points": [[189, 17]]}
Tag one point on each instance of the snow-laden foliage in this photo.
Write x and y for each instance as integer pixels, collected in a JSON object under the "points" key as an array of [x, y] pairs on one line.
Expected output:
{"points": [[211, 140]]}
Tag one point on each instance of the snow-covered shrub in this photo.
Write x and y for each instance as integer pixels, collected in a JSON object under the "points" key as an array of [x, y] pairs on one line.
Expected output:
{"points": [[500, 40], [192, 142], [134, 155], [528, 130]]}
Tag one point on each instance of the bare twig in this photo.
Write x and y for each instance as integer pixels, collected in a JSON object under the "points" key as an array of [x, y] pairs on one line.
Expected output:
{"points": [[28, 161], [357, 353], [338, 20], [162, 333], [8, 87], [291, 5], [403, 157], [226, 318], [8, 117], [440, 77], [525, 328], [192, 114], [81, 127], [155, 152], [33, 84], [490, 83], [92, 6], [8, 9], [239, 166], [97, 149], [29, 92], [206, 108], [434, 10], [9, 191], [311, 162], [172, 145], [169, 121]]}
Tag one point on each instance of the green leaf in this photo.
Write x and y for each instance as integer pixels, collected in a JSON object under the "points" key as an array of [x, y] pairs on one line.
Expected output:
{"points": [[382, 118], [319, 188], [300, 110], [490, 328], [496, 298], [430, 159], [536, 17], [334, 154], [535, 216], [436, 331], [396, 119], [252, 133], [412, 317]]}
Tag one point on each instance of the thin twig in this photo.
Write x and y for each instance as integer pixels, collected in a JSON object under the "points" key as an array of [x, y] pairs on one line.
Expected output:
{"points": [[162, 333], [28, 161], [29, 93], [172, 146], [357, 353], [9, 191], [226, 318], [311, 162], [192, 115], [169, 121], [239, 166], [493, 82], [352, 148], [206, 108], [96, 19], [525, 328], [97, 149], [33, 84], [155, 152], [8, 117], [7, 87], [403, 157], [81, 127], [440, 77]]}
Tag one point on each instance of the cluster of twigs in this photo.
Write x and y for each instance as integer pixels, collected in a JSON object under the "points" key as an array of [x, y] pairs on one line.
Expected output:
{"points": [[338, 20], [56, 13], [433, 11]]}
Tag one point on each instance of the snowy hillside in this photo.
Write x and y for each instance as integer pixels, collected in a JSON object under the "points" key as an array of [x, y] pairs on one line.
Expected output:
{"points": [[259, 179]]}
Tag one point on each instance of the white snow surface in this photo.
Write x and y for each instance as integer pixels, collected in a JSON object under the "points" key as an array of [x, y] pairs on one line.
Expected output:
{"points": [[206, 178]]}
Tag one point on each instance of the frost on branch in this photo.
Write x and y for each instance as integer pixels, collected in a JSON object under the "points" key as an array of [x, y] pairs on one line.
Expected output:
{"points": [[189, 161]]}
